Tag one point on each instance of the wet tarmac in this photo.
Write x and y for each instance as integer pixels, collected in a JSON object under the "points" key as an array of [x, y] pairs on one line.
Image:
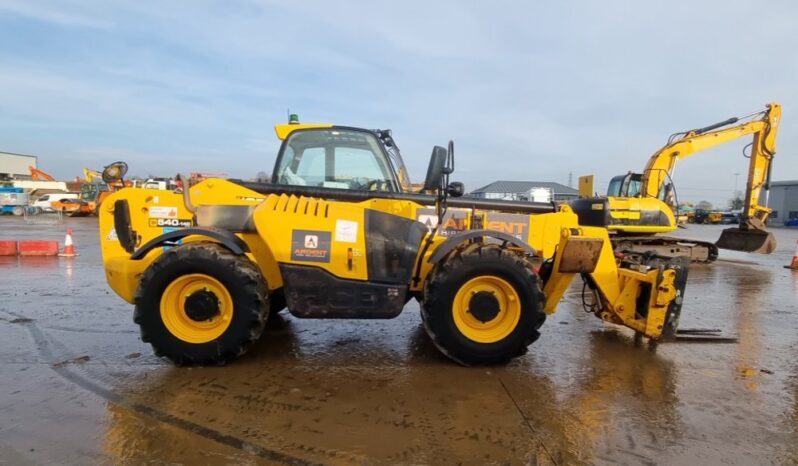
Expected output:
{"points": [[77, 386]]}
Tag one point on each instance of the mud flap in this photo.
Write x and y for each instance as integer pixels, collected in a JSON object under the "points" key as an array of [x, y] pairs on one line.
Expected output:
{"points": [[680, 266], [748, 240]]}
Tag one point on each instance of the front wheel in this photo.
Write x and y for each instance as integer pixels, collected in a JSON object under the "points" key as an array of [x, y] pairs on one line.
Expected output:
{"points": [[199, 303], [483, 305]]}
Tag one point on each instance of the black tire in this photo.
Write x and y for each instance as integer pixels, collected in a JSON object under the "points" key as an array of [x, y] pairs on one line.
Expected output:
{"points": [[239, 276], [455, 270]]}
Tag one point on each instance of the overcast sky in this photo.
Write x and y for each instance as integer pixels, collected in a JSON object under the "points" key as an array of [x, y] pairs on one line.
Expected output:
{"points": [[527, 91]]}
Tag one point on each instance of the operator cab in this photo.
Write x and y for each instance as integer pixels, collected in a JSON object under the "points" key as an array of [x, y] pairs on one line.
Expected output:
{"points": [[631, 185], [627, 185], [339, 157], [89, 192]]}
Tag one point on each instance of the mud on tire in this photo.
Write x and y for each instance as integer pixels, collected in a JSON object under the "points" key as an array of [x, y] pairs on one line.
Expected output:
{"points": [[460, 268], [238, 275]]}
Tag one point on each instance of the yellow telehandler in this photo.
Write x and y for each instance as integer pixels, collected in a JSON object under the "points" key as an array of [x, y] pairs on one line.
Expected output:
{"points": [[638, 206], [339, 233]]}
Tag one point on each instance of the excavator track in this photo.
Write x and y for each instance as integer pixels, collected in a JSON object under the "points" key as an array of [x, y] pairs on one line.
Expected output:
{"points": [[698, 251]]}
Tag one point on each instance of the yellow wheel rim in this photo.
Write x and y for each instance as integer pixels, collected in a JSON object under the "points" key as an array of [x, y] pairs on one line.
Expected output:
{"points": [[496, 328], [178, 322]]}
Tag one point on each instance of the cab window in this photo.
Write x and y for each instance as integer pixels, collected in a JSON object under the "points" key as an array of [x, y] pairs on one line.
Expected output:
{"points": [[633, 189], [628, 185], [615, 186], [335, 158]]}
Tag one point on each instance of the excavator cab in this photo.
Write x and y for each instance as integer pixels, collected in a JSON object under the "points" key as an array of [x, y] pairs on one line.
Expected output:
{"points": [[627, 185]]}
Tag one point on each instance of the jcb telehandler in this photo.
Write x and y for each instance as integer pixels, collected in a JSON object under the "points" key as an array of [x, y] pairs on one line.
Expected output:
{"points": [[338, 233]]}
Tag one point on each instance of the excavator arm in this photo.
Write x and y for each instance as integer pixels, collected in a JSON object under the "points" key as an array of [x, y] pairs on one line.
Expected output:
{"points": [[682, 145], [89, 175], [39, 175], [750, 236]]}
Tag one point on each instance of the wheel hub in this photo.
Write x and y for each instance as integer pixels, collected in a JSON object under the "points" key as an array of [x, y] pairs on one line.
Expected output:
{"points": [[484, 306], [202, 305]]}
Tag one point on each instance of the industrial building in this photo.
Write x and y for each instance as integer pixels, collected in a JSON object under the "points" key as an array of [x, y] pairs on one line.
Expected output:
{"points": [[784, 201], [16, 165], [536, 191]]}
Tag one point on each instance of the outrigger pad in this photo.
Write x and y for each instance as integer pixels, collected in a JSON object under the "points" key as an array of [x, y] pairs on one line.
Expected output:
{"points": [[749, 240]]}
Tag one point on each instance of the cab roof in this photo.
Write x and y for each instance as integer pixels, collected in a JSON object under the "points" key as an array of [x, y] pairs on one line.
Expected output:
{"points": [[284, 129]]}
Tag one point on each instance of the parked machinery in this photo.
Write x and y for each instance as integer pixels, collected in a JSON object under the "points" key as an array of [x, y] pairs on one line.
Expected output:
{"points": [[12, 200], [638, 206], [93, 193], [339, 234]]}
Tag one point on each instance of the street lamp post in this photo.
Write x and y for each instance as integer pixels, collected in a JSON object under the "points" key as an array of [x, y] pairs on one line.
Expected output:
{"points": [[736, 196]]}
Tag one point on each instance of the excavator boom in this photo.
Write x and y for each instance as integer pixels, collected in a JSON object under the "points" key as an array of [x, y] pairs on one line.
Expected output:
{"points": [[682, 145], [751, 235], [39, 175]]}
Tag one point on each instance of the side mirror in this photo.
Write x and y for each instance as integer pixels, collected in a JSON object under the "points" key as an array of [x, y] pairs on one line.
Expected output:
{"points": [[455, 189], [437, 161]]}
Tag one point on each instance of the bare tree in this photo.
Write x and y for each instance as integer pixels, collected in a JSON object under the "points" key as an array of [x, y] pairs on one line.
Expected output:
{"points": [[736, 203], [704, 205]]}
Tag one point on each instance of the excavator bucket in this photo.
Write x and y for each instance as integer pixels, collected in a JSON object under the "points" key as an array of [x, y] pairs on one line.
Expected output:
{"points": [[747, 240]]}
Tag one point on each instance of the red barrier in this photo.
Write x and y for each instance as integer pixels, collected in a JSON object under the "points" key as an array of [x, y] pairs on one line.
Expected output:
{"points": [[38, 248], [8, 248]]}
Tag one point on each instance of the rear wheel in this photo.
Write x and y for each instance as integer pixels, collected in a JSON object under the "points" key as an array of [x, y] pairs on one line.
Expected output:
{"points": [[483, 305], [18, 211], [199, 303]]}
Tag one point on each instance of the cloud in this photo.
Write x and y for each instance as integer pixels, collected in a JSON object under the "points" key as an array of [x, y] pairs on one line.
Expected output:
{"points": [[60, 13], [527, 91]]}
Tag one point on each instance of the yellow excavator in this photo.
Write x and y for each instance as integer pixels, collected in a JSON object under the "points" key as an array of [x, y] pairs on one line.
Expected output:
{"points": [[639, 205], [90, 175]]}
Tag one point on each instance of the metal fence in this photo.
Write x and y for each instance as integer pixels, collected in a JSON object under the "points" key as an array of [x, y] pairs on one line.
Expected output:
{"points": [[39, 216]]}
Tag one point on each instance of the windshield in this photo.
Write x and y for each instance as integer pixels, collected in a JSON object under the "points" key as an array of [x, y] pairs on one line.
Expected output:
{"points": [[89, 191], [335, 158], [625, 185], [615, 186]]}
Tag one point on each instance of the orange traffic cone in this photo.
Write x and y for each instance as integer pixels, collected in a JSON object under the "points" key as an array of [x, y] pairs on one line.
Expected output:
{"points": [[794, 264], [69, 246]]}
